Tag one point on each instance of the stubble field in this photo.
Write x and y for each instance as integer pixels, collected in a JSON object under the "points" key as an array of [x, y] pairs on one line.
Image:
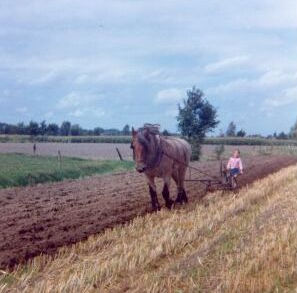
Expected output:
{"points": [[39, 219]]}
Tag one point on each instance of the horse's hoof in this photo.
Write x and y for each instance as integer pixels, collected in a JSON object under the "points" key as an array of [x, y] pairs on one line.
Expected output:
{"points": [[178, 201], [156, 209], [169, 204]]}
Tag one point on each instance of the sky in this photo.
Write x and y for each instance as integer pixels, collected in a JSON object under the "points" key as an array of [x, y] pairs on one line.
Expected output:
{"points": [[108, 63]]}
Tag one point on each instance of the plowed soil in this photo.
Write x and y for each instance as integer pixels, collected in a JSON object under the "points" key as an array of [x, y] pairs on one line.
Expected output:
{"points": [[39, 219]]}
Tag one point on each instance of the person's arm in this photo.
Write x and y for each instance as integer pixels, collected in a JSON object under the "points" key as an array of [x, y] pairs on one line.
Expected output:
{"points": [[240, 166], [229, 164]]}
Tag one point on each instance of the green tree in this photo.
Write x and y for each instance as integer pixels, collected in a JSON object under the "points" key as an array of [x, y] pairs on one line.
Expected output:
{"points": [[52, 129], [241, 133], [196, 118], [33, 128], [231, 130], [21, 128], [165, 132], [65, 128], [98, 130], [282, 135], [43, 127], [126, 130], [293, 131], [76, 130]]}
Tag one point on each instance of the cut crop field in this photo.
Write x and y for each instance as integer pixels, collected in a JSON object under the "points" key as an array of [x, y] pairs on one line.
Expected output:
{"points": [[40, 219], [107, 151]]}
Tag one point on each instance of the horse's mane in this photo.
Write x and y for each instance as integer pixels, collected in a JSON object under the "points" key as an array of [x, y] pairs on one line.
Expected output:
{"points": [[149, 137]]}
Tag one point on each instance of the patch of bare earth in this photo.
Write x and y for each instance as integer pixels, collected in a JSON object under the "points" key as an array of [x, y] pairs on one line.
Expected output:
{"points": [[41, 218]]}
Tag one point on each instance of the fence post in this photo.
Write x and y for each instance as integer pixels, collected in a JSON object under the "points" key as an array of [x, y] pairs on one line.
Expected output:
{"points": [[120, 156]]}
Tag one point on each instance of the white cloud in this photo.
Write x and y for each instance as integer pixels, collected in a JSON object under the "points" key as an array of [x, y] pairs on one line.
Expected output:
{"points": [[77, 113], [81, 104], [288, 97], [116, 47], [77, 99], [277, 77], [272, 79], [86, 111], [226, 64], [169, 95], [171, 112], [49, 115], [22, 110]]}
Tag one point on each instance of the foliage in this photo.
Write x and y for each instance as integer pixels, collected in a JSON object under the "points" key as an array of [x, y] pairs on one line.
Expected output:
{"points": [[126, 130], [282, 135], [21, 170], [52, 129], [231, 130], [98, 130], [76, 130], [196, 118], [165, 132], [293, 131], [241, 133], [43, 128], [33, 128], [65, 128]]}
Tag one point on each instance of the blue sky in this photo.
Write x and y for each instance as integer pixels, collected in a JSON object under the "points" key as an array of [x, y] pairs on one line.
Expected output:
{"points": [[108, 63]]}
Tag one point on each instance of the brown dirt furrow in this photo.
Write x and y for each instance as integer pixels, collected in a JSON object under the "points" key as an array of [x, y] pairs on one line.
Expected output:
{"points": [[41, 218]]}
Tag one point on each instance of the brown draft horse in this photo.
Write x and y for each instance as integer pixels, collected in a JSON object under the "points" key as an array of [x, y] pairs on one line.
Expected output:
{"points": [[163, 157]]}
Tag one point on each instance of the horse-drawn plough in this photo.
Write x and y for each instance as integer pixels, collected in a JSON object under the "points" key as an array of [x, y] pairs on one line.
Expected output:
{"points": [[225, 181]]}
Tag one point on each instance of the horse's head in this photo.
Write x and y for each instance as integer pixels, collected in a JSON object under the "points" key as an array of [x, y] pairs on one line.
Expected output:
{"points": [[139, 148], [140, 144]]}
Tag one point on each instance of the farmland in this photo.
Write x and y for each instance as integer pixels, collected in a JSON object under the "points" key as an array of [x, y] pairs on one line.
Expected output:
{"points": [[79, 222], [21, 170], [107, 151], [241, 243], [118, 139], [44, 217]]}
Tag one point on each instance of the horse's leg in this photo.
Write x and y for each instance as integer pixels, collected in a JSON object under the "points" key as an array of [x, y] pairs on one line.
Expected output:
{"points": [[153, 193], [182, 175], [175, 177], [168, 201], [179, 178]]}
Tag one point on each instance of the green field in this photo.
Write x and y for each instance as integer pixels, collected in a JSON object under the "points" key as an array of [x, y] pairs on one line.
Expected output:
{"points": [[127, 139], [21, 170]]}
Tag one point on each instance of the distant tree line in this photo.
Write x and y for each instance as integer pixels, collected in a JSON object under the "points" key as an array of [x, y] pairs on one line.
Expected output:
{"points": [[232, 132], [34, 128]]}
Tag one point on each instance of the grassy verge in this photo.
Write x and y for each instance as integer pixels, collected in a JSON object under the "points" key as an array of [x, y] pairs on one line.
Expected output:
{"points": [[21, 170], [242, 243]]}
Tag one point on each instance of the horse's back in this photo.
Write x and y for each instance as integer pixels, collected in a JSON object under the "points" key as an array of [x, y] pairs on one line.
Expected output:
{"points": [[179, 149]]}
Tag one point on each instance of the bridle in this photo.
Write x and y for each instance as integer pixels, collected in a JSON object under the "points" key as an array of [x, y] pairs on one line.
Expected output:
{"points": [[159, 152]]}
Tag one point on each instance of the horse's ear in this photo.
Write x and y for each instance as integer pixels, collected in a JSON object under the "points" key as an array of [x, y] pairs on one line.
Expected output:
{"points": [[133, 131]]}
